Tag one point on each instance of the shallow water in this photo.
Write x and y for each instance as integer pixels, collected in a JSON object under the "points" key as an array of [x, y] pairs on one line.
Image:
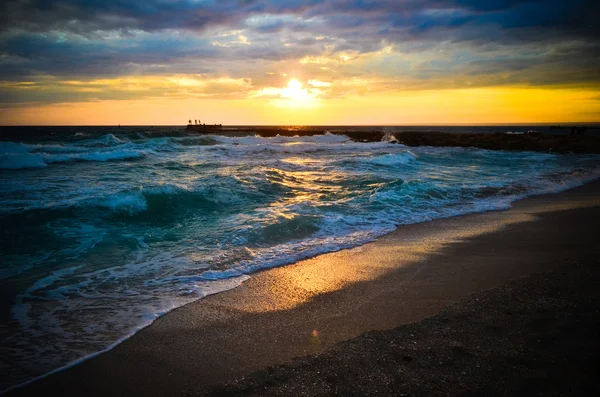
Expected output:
{"points": [[105, 229]]}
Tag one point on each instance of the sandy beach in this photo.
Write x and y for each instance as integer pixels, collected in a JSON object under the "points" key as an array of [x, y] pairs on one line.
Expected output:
{"points": [[305, 308], [537, 336]]}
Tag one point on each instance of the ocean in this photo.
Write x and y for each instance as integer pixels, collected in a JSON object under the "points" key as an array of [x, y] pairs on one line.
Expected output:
{"points": [[104, 229]]}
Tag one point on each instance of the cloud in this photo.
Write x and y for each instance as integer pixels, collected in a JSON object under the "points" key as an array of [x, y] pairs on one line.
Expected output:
{"points": [[410, 43], [51, 89]]}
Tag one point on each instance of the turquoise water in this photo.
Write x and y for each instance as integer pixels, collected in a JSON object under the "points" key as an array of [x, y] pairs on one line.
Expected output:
{"points": [[103, 232]]}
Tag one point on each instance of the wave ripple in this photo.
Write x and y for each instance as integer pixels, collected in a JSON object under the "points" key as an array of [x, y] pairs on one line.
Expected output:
{"points": [[102, 234]]}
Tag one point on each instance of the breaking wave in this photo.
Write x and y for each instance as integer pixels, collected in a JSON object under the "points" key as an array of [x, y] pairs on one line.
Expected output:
{"points": [[102, 234]]}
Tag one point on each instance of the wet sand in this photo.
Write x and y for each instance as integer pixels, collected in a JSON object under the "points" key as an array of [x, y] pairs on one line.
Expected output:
{"points": [[537, 336], [307, 307]]}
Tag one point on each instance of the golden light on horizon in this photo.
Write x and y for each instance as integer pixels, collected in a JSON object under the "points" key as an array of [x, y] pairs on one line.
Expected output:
{"points": [[308, 106], [292, 96]]}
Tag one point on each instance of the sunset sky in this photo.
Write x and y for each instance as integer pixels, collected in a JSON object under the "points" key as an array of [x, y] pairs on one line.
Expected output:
{"points": [[299, 62]]}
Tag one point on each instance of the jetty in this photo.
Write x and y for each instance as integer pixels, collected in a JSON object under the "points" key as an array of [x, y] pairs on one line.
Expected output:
{"points": [[197, 126]]}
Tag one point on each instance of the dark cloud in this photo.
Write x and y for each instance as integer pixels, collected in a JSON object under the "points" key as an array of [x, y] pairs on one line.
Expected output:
{"points": [[56, 54], [81, 16], [490, 41]]}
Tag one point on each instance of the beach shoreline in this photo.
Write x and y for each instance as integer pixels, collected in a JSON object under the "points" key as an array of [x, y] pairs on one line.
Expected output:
{"points": [[538, 335], [185, 348]]}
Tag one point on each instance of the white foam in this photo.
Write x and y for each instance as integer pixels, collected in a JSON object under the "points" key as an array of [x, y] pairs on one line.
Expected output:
{"points": [[258, 140], [110, 156], [57, 148], [23, 159], [104, 140], [392, 159], [146, 320], [130, 202], [263, 146], [168, 189], [51, 279], [94, 156]]}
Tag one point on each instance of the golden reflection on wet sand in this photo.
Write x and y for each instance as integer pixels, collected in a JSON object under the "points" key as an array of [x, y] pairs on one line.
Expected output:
{"points": [[287, 287]]}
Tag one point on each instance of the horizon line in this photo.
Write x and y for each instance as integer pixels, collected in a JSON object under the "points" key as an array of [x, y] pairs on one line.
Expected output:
{"points": [[320, 125]]}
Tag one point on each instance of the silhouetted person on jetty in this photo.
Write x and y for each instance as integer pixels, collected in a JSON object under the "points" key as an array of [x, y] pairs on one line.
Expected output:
{"points": [[198, 126]]}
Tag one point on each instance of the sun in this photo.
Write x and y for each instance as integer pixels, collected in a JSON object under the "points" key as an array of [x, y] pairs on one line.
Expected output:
{"points": [[295, 91], [296, 96]]}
